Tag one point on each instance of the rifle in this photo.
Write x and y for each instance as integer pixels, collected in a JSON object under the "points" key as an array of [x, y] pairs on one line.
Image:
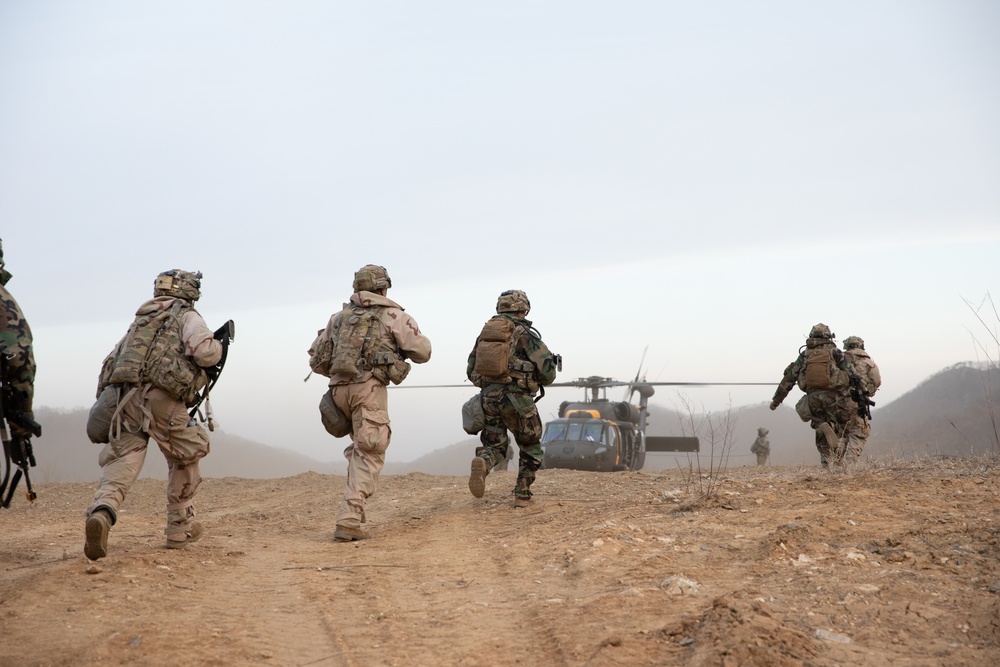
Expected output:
{"points": [[16, 451], [225, 335], [859, 396]]}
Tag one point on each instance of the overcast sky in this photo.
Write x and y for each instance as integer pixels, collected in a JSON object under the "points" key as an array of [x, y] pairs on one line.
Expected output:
{"points": [[705, 179]]}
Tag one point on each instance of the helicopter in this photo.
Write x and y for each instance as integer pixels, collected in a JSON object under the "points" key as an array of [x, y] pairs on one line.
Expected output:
{"points": [[600, 435]]}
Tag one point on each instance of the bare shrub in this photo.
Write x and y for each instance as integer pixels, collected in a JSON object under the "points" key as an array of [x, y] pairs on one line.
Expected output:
{"points": [[989, 319], [704, 469]]}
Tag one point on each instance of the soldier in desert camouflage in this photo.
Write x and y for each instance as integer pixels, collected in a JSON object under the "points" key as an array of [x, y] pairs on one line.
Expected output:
{"points": [[151, 377], [761, 447], [865, 368], [363, 348]]}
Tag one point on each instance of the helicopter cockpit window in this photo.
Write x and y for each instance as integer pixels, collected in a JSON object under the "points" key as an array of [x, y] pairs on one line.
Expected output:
{"points": [[593, 432], [573, 433], [555, 431]]}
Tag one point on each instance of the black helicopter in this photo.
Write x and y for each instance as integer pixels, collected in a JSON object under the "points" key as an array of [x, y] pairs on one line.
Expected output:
{"points": [[608, 436]]}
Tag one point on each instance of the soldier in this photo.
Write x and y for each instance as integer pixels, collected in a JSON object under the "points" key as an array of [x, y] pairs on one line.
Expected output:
{"points": [[363, 348], [761, 447], [509, 363], [154, 373], [19, 371], [866, 369], [821, 371]]}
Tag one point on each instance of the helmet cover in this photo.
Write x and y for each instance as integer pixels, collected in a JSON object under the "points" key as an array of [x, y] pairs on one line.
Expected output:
{"points": [[513, 301], [178, 284], [371, 278]]}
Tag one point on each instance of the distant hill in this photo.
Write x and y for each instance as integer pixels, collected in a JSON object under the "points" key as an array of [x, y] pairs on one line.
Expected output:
{"points": [[955, 412], [951, 413]]}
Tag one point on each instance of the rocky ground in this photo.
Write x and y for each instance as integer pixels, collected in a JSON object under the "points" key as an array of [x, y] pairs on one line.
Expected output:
{"points": [[892, 564]]}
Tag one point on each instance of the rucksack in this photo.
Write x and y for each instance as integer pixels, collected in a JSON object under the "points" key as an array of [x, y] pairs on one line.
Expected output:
{"points": [[152, 351], [352, 339], [495, 350], [821, 371]]}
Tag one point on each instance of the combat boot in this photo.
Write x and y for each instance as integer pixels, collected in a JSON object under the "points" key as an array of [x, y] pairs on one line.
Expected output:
{"points": [[832, 441], [98, 526], [181, 540], [477, 478], [348, 534], [524, 502]]}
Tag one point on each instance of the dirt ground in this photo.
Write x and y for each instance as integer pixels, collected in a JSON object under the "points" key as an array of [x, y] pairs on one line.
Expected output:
{"points": [[887, 565]]}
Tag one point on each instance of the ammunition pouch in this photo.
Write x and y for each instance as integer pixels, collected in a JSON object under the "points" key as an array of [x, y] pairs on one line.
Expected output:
{"points": [[802, 408], [387, 366]]}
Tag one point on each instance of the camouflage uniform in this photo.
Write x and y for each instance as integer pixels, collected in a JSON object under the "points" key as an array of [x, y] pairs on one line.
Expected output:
{"points": [[511, 406], [829, 409], [871, 379], [147, 411], [761, 447], [16, 341], [363, 398]]}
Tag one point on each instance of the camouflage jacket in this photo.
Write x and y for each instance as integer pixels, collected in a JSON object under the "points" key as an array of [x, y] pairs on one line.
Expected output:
{"points": [[797, 368], [397, 324], [760, 446], [528, 347], [865, 368], [15, 338]]}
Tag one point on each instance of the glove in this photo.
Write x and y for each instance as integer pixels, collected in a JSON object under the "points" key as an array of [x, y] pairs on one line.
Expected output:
{"points": [[225, 332], [774, 405]]}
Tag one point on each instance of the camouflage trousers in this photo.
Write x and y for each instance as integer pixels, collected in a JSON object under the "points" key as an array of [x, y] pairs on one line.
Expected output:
{"points": [[154, 414], [515, 411], [367, 404], [857, 437], [762, 458], [835, 409]]}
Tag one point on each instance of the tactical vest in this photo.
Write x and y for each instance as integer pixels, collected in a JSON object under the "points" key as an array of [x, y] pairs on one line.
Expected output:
{"points": [[821, 371], [360, 342], [152, 352], [496, 356]]}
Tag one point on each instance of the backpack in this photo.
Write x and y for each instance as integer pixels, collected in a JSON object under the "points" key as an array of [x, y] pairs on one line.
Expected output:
{"points": [[152, 352], [352, 339], [495, 350], [821, 371]]}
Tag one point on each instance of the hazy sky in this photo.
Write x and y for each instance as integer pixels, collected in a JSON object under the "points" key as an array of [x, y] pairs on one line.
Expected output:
{"points": [[705, 179]]}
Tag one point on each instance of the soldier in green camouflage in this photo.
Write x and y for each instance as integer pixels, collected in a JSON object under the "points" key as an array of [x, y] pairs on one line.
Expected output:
{"points": [[15, 338], [821, 371], [507, 391]]}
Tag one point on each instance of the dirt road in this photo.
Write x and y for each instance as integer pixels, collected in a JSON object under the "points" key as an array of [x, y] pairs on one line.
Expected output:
{"points": [[896, 565]]}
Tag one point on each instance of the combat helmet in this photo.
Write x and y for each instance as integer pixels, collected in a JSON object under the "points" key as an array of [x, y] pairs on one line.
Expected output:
{"points": [[821, 331], [513, 301], [852, 342], [371, 278], [762, 431], [178, 284]]}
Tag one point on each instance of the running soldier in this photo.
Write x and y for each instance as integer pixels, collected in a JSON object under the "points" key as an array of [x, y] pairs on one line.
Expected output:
{"points": [[148, 380], [363, 348], [509, 363], [865, 368], [821, 371]]}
